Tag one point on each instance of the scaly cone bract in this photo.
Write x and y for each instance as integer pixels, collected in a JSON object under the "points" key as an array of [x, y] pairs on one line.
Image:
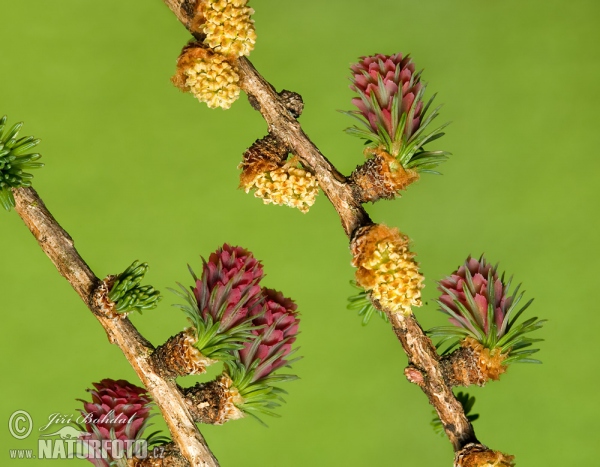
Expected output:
{"points": [[119, 410], [224, 301], [253, 370]]}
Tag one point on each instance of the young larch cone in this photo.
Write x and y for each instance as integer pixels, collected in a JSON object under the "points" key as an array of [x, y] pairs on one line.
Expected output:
{"points": [[228, 26], [288, 185], [229, 287], [279, 326], [253, 371], [477, 455], [381, 79], [210, 76], [386, 267], [392, 115], [483, 316], [118, 411], [223, 302]]}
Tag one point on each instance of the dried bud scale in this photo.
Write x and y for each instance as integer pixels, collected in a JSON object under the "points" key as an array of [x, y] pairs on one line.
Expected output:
{"points": [[386, 267], [210, 76], [179, 356], [477, 455], [381, 177], [264, 155], [215, 402]]}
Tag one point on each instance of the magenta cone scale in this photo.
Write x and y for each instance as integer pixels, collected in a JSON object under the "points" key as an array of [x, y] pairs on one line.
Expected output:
{"points": [[379, 79], [274, 338], [254, 370], [224, 300], [230, 278]]}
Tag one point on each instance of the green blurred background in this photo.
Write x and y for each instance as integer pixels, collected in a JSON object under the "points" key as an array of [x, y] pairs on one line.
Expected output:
{"points": [[137, 170]]}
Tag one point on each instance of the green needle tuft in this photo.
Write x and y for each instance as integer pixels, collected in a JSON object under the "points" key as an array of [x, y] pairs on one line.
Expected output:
{"points": [[127, 293], [14, 160]]}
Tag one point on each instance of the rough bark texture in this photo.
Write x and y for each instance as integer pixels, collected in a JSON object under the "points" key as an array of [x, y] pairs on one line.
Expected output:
{"points": [[166, 456], [59, 247], [423, 356], [342, 194]]}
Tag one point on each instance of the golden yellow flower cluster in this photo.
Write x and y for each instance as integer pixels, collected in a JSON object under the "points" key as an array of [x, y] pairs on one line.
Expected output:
{"points": [[288, 185], [209, 76], [228, 26], [386, 268]]}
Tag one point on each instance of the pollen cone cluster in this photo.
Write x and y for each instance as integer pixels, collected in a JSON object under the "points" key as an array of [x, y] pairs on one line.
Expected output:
{"points": [[228, 26], [211, 77], [386, 268], [288, 185]]}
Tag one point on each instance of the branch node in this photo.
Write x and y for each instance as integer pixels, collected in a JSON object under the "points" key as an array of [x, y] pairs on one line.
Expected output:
{"points": [[414, 375], [293, 102]]}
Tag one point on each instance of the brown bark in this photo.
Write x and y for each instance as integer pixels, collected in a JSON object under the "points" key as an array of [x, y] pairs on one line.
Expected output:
{"points": [[59, 247], [162, 456]]}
